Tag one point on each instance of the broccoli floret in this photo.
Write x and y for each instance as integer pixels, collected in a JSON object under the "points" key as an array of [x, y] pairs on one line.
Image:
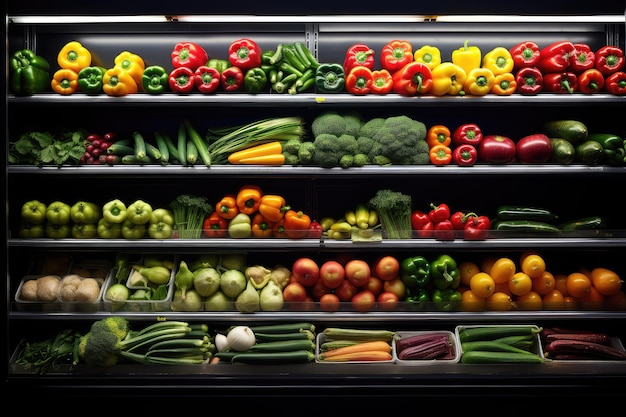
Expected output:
{"points": [[346, 161], [381, 160], [394, 209], [117, 325], [368, 146], [292, 146], [370, 127], [422, 157], [306, 151], [353, 123], [347, 144], [360, 159], [326, 151], [329, 122], [399, 137], [291, 159], [99, 349]]}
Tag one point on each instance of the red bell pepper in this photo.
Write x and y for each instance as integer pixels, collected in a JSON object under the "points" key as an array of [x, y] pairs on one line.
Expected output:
{"points": [[616, 83], [476, 228], [525, 54], [590, 81], [439, 213], [555, 57], [444, 230], [421, 224], [610, 59], [359, 80], [413, 78], [215, 225], [468, 133], [582, 59], [395, 55], [189, 54], [206, 79], [529, 80], [560, 82], [315, 230], [382, 82], [459, 219], [245, 54], [231, 79], [181, 80], [358, 55], [465, 155]]}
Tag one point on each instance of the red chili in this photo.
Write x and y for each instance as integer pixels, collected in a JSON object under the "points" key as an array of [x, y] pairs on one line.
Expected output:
{"points": [[231, 79], [529, 80], [359, 80], [616, 83], [465, 155], [206, 79], [590, 81], [181, 80], [560, 82], [525, 54], [468, 133], [413, 78], [610, 59], [583, 58], [358, 55]]}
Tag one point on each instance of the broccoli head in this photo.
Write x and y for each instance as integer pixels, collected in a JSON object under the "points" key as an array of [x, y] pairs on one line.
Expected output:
{"points": [[326, 153], [117, 325], [346, 161], [292, 146], [329, 122], [360, 159], [99, 349], [291, 159], [399, 137], [347, 144], [353, 124], [368, 146], [306, 151], [370, 127], [422, 157]]}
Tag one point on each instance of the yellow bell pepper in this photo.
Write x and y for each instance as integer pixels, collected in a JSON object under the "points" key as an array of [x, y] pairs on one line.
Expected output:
{"points": [[467, 57], [499, 60], [74, 56], [118, 82], [479, 81], [448, 79], [429, 55], [64, 81], [131, 63], [504, 84]]}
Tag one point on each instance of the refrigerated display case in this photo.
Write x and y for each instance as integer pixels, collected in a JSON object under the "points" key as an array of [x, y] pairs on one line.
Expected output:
{"points": [[152, 32]]}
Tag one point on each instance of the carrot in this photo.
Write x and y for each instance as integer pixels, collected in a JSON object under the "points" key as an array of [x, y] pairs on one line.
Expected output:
{"points": [[270, 159], [377, 345], [365, 356], [268, 148]]}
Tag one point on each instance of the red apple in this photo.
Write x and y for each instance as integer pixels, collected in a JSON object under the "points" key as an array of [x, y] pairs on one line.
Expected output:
{"points": [[306, 271], [330, 302], [396, 286], [346, 290], [318, 290], [387, 267], [387, 300], [497, 149], [363, 301], [374, 284], [332, 274], [294, 292], [357, 272]]}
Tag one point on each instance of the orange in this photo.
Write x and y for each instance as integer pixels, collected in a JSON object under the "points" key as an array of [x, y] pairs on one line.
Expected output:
{"points": [[482, 284], [503, 287], [471, 302], [468, 269], [544, 284], [499, 301], [593, 300], [530, 301], [560, 283], [502, 270], [487, 263], [606, 281], [578, 284], [520, 283], [525, 254], [554, 300], [533, 265]]}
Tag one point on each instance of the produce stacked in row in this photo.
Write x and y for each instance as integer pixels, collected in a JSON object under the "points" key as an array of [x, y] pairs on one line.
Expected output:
{"points": [[574, 344], [341, 344], [442, 224], [425, 346], [499, 344]]}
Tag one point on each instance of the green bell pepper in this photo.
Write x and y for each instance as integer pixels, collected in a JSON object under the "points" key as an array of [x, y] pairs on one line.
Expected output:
{"points": [[34, 212], [613, 145], [90, 80], [84, 230], [446, 300], [109, 230], [415, 272], [240, 226], [58, 213], [445, 272], [218, 64], [417, 299], [85, 212], [30, 73], [139, 212], [330, 78], [58, 231], [155, 79], [132, 230], [32, 231], [255, 80], [115, 211]]}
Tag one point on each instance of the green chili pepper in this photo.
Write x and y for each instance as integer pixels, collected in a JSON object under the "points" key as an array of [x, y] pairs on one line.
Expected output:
{"points": [[90, 80], [417, 298], [415, 272], [255, 80], [445, 273], [447, 299], [30, 73], [329, 78], [155, 79]]}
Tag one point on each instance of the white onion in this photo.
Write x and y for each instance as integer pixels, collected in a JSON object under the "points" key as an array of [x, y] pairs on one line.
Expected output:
{"points": [[240, 338], [221, 342]]}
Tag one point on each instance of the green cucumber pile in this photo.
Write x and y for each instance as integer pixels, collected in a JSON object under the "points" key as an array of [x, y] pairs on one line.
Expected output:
{"points": [[500, 344]]}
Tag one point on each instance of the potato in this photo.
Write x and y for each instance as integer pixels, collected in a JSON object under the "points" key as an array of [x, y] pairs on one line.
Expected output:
{"points": [[88, 291], [28, 291], [48, 288]]}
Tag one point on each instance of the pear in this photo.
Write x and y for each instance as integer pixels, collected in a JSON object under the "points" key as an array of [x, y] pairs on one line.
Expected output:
{"points": [[218, 302], [248, 301], [271, 297], [191, 302], [232, 282]]}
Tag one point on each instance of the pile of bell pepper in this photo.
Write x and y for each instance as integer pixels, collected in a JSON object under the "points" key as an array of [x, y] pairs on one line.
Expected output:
{"points": [[252, 213], [459, 146], [433, 282], [442, 224]]}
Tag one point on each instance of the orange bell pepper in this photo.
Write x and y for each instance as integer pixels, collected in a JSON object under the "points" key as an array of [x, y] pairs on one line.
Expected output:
{"points": [[504, 84], [479, 81], [499, 60], [65, 81], [273, 207], [359, 80], [296, 224], [395, 55], [429, 55], [131, 63], [227, 206], [448, 79], [117, 82], [382, 82], [261, 227], [74, 56], [249, 198], [438, 135], [279, 229], [440, 155]]}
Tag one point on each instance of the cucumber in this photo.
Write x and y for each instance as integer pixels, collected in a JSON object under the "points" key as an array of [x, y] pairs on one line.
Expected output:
{"points": [[283, 328], [192, 153], [162, 146], [563, 151], [470, 334], [523, 226], [491, 346], [525, 213], [275, 337], [120, 149], [585, 223], [296, 356], [484, 357], [140, 146], [153, 152], [589, 152], [573, 131], [283, 346]]}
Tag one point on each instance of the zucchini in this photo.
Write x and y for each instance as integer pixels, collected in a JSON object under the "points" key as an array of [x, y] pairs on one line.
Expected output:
{"points": [[153, 152], [162, 146], [198, 142], [470, 334], [120, 149], [525, 213], [283, 328], [491, 346], [338, 333], [171, 147], [132, 159], [283, 346], [585, 223], [563, 151], [140, 146], [192, 153], [589, 152], [273, 337], [523, 226], [182, 144], [270, 358], [573, 131], [483, 357], [525, 342]]}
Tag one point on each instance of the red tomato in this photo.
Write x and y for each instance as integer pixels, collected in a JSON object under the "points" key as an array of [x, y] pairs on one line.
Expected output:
{"points": [[387, 300], [497, 149], [363, 301], [535, 148], [386, 268]]}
